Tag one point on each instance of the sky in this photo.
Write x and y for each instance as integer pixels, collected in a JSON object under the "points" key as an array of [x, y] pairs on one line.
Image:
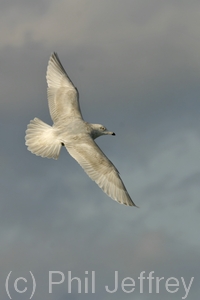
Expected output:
{"points": [[136, 64]]}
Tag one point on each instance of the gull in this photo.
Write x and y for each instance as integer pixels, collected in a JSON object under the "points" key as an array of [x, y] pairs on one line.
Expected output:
{"points": [[70, 130]]}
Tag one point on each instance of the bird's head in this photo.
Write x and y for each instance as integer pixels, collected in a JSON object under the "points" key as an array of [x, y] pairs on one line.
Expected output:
{"points": [[98, 130]]}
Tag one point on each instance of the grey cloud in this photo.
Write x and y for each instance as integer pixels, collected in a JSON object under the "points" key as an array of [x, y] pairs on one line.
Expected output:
{"points": [[136, 65]]}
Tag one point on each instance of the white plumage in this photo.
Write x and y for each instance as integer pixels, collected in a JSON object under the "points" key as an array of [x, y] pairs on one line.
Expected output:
{"points": [[70, 130]]}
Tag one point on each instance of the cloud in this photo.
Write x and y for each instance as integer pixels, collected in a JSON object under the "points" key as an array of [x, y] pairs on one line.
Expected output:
{"points": [[136, 65]]}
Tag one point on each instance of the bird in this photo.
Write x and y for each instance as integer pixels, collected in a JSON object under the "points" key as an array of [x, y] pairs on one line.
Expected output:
{"points": [[71, 131]]}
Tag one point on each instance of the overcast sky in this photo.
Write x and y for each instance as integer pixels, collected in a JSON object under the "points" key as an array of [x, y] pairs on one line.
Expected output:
{"points": [[136, 64]]}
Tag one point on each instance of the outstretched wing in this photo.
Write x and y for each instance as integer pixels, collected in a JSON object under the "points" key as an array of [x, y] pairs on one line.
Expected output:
{"points": [[100, 169], [62, 94]]}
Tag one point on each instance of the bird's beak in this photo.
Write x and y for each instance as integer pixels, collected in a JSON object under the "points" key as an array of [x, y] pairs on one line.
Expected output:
{"points": [[110, 132]]}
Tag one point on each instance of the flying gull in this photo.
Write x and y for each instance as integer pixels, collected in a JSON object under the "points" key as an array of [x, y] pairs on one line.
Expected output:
{"points": [[70, 130]]}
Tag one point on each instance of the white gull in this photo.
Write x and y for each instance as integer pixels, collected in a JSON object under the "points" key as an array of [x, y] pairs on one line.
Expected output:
{"points": [[70, 130]]}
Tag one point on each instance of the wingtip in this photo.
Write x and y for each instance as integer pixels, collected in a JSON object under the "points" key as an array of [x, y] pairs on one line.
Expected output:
{"points": [[54, 57], [136, 206], [53, 54], [131, 204]]}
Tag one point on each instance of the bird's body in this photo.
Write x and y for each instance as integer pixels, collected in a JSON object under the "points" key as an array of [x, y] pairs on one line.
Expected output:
{"points": [[70, 130]]}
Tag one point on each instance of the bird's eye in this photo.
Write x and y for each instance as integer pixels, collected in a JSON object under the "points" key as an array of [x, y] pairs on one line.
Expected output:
{"points": [[102, 128]]}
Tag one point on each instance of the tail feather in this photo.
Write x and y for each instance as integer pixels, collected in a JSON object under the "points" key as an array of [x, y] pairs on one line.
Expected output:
{"points": [[41, 139]]}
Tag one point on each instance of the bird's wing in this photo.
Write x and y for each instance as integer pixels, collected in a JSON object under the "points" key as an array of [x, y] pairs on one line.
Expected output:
{"points": [[100, 169], [62, 94]]}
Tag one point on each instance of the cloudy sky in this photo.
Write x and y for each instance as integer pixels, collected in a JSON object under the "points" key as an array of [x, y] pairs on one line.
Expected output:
{"points": [[136, 64]]}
